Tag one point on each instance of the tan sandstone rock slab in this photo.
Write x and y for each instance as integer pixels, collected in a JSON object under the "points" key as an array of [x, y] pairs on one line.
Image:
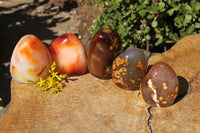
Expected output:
{"points": [[183, 116], [183, 57], [85, 105], [88, 104]]}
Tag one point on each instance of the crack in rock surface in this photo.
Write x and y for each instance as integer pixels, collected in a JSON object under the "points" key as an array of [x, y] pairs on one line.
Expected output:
{"points": [[149, 119], [183, 115]]}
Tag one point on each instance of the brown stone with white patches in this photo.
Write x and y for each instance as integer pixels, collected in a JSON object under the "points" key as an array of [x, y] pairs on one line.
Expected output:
{"points": [[159, 87]]}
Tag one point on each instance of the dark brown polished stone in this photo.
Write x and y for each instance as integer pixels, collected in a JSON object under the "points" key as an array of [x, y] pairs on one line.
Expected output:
{"points": [[104, 47]]}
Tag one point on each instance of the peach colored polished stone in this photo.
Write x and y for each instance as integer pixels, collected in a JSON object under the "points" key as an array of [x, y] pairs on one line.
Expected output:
{"points": [[88, 104]]}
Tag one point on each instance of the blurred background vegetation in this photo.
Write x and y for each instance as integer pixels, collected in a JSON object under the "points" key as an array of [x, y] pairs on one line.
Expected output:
{"points": [[149, 24]]}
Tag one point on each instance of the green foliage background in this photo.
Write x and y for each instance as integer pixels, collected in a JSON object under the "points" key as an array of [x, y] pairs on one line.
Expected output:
{"points": [[149, 23]]}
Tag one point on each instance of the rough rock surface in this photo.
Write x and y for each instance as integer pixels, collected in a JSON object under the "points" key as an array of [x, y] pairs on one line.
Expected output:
{"points": [[86, 104], [182, 57], [183, 116]]}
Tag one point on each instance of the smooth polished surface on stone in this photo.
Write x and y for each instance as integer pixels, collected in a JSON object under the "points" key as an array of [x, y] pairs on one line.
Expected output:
{"points": [[89, 104], [183, 116]]}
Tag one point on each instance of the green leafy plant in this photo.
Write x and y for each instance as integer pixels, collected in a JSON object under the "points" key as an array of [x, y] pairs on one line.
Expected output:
{"points": [[149, 23], [53, 81]]}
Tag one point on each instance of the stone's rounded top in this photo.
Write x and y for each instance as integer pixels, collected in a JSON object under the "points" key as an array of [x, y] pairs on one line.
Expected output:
{"points": [[69, 54], [129, 68], [135, 53], [160, 85], [183, 57], [30, 60], [99, 105], [104, 47]]}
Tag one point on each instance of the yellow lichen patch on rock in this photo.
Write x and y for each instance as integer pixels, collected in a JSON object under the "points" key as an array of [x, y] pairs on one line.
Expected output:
{"points": [[140, 66]]}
